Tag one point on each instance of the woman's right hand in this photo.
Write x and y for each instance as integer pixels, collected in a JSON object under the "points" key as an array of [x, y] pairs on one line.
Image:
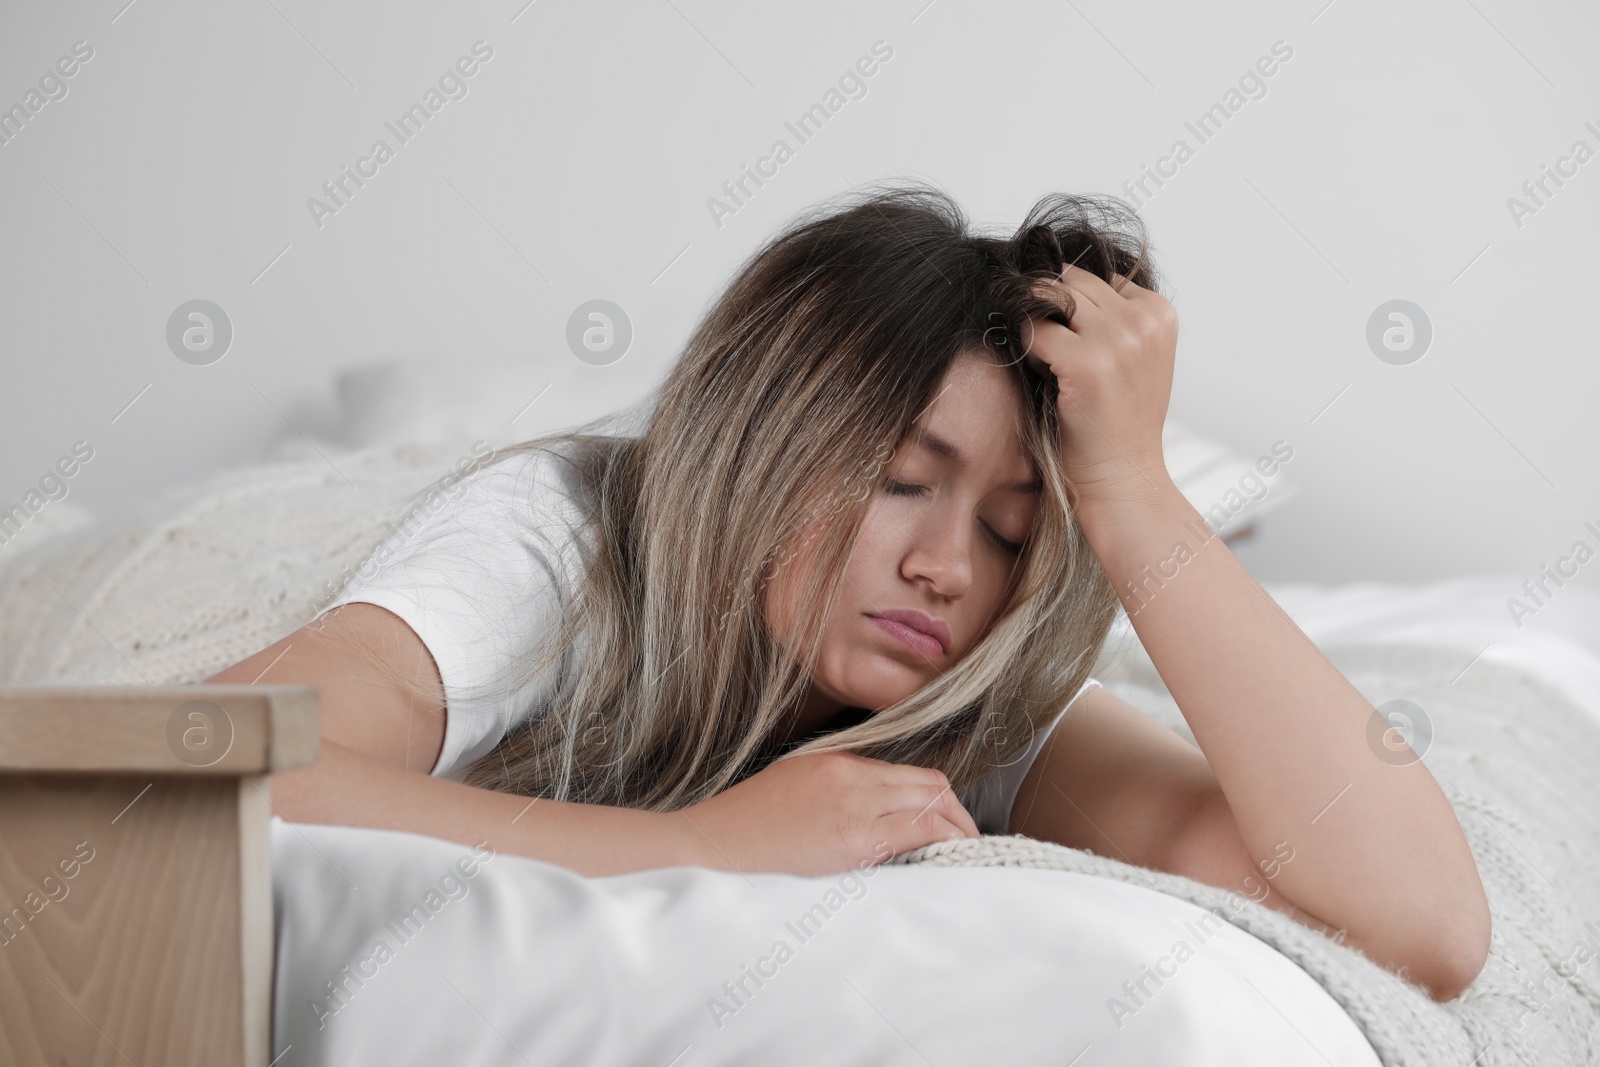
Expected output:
{"points": [[825, 813]]}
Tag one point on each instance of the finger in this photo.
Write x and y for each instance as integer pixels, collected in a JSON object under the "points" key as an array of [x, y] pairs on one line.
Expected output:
{"points": [[926, 787], [913, 799], [930, 801], [956, 812], [1123, 286], [1087, 285], [1090, 310], [1059, 293], [906, 835], [1048, 344], [911, 774]]}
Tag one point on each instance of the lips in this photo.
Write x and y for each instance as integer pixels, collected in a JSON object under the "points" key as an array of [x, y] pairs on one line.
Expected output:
{"points": [[915, 629]]}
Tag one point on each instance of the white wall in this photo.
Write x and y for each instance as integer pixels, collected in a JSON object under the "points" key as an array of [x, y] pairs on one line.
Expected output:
{"points": [[579, 164]]}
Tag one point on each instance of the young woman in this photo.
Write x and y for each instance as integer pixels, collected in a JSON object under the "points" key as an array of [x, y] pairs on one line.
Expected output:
{"points": [[838, 597]]}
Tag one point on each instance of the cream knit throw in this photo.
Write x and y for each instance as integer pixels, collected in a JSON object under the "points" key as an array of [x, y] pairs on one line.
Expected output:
{"points": [[203, 578], [1521, 765]]}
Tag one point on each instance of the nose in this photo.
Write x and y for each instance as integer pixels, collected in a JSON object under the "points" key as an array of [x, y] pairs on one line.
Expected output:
{"points": [[940, 553]]}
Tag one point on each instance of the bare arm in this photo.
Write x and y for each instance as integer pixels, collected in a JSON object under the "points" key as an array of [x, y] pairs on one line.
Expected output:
{"points": [[1377, 848], [808, 815], [1112, 781], [379, 742]]}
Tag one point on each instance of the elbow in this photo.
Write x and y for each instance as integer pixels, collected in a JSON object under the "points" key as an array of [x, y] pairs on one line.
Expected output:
{"points": [[1462, 965], [320, 793], [1456, 957], [1446, 981], [1461, 933]]}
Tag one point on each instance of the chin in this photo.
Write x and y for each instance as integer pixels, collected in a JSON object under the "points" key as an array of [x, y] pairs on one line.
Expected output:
{"points": [[874, 698]]}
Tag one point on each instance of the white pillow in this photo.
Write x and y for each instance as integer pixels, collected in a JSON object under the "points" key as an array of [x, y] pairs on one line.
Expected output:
{"points": [[511, 961], [1229, 490]]}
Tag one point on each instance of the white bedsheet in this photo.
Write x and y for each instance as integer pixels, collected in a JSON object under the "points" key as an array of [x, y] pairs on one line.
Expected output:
{"points": [[525, 962], [1560, 642]]}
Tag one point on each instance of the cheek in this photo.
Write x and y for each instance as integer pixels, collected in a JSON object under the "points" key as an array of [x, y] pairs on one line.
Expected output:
{"points": [[777, 599], [863, 570], [786, 578], [880, 531], [874, 558]]}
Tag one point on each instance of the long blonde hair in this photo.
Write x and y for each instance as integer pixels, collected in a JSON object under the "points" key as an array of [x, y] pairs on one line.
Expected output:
{"points": [[773, 428]]}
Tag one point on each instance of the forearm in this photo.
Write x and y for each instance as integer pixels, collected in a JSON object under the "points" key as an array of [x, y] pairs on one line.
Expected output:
{"points": [[348, 789], [1378, 849]]}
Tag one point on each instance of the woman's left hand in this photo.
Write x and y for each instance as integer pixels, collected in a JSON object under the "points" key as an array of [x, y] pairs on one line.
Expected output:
{"points": [[1113, 362]]}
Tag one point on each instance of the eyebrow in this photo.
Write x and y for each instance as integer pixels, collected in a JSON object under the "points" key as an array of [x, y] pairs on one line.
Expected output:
{"points": [[938, 445]]}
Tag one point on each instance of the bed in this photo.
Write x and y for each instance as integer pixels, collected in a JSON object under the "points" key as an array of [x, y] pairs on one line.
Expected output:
{"points": [[1025, 953], [921, 963]]}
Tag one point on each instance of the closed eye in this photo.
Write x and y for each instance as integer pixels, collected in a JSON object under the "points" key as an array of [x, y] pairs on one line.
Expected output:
{"points": [[894, 488]]}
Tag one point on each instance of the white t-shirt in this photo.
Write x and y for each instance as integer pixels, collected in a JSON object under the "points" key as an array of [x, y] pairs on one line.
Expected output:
{"points": [[483, 578]]}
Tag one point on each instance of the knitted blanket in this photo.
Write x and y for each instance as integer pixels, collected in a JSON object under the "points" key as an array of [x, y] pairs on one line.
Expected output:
{"points": [[1519, 762], [205, 576]]}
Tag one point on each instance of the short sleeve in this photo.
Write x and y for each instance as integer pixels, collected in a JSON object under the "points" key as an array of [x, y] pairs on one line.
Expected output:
{"points": [[992, 796], [483, 577]]}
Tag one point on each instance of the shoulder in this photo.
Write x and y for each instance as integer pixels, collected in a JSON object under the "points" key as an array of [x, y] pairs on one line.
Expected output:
{"points": [[535, 496], [546, 476], [480, 543], [482, 570]]}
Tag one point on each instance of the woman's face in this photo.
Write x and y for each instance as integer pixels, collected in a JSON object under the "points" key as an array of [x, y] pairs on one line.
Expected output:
{"points": [[930, 543]]}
